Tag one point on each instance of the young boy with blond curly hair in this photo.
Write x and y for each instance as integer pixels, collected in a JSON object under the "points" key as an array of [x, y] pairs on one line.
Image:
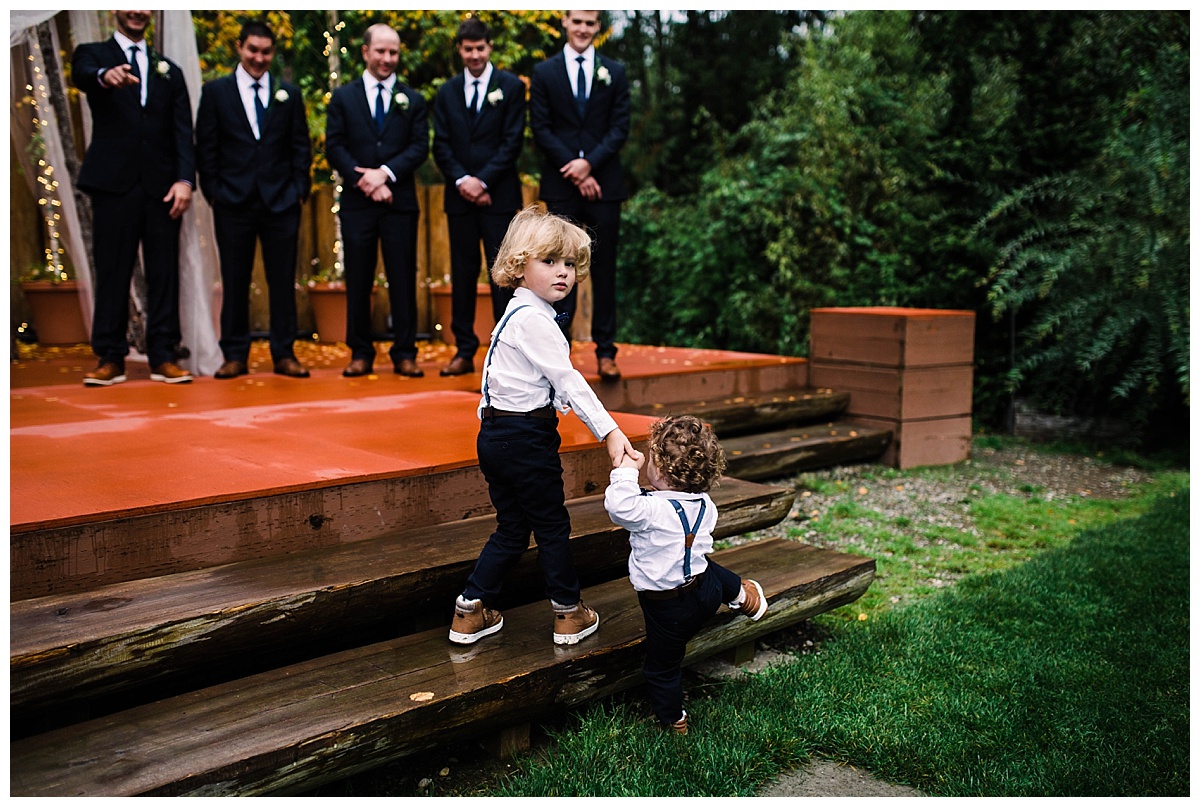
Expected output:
{"points": [[670, 536], [528, 379]]}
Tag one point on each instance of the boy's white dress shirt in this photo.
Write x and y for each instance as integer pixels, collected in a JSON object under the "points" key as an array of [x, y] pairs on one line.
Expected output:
{"points": [[531, 356], [656, 537]]}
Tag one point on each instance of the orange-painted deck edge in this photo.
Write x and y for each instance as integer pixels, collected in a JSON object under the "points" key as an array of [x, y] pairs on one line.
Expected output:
{"points": [[78, 454]]}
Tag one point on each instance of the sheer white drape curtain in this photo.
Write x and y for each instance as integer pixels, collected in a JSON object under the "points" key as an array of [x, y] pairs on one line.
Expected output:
{"points": [[28, 77], [199, 270], [199, 273]]}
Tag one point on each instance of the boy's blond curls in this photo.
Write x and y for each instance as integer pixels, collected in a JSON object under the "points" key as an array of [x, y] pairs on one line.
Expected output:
{"points": [[687, 453], [536, 233]]}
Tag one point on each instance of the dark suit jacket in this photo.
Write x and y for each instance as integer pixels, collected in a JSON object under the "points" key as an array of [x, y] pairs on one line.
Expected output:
{"points": [[132, 144], [487, 148], [351, 140], [560, 134], [233, 166]]}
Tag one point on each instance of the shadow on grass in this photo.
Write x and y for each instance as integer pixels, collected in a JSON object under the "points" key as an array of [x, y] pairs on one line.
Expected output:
{"points": [[1067, 676]]}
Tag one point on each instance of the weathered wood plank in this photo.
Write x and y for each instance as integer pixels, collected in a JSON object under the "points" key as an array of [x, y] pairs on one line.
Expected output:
{"points": [[82, 557], [804, 448], [288, 730], [742, 414], [215, 624]]}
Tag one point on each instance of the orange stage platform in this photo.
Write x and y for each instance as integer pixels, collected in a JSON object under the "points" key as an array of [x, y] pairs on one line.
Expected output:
{"points": [[81, 454]]}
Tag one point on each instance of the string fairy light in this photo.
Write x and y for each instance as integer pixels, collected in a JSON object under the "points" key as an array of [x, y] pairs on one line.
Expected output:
{"points": [[48, 199]]}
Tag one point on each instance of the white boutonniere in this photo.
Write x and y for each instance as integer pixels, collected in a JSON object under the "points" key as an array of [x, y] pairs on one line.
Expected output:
{"points": [[400, 100], [163, 67], [603, 75], [281, 95], [495, 96]]}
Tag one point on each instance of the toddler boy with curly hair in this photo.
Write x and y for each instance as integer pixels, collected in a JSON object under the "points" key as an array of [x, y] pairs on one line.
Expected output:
{"points": [[670, 536]]}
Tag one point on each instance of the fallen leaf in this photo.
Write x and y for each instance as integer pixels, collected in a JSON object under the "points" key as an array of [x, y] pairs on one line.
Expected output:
{"points": [[862, 491], [899, 487], [421, 697]]}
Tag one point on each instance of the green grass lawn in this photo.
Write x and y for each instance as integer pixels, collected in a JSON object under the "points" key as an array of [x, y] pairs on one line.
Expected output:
{"points": [[1055, 665]]}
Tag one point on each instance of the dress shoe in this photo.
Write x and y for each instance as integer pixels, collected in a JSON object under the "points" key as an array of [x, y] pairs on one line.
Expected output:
{"points": [[357, 367], [409, 368], [291, 368], [105, 375], [231, 369], [609, 370], [171, 373], [459, 365]]}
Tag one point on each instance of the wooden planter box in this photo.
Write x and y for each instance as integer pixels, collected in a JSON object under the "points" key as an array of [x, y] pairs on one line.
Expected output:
{"points": [[484, 321], [56, 312], [893, 337], [909, 370]]}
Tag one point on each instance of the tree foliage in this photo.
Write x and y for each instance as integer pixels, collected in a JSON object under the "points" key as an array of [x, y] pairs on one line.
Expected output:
{"points": [[1098, 257], [864, 178]]}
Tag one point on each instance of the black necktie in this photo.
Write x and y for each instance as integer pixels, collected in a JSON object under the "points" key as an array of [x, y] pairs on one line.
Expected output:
{"points": [[259, 110], [581, 87], [135, 70], [475, 99], [379, 108]]}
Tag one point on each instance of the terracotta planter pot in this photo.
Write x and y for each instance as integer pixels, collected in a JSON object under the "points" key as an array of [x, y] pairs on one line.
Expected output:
{"points": [[328, 304], [484, 321], [56, 314]]}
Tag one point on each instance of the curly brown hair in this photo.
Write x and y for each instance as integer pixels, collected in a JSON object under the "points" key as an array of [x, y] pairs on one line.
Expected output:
{"points": [[686, 453]]}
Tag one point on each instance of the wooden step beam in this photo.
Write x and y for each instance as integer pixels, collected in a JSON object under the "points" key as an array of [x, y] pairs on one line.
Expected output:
{"points": [[289, 730], [213, 624], [741, 414], [770, 455]]}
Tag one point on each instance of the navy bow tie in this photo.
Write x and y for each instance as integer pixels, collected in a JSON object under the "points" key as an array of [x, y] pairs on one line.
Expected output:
{"points": [[562, 318]]}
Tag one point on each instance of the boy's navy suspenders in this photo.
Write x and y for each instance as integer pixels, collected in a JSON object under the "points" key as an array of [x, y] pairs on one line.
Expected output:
{"points": [[487, 361], [689, 533]]}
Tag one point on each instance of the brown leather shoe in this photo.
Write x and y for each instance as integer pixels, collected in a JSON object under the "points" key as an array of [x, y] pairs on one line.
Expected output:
{"points": [[171, 373], [609, 370], [409, 368], [459, 365], [231, 369], [106, 374], [357, 367], [291, 368]]}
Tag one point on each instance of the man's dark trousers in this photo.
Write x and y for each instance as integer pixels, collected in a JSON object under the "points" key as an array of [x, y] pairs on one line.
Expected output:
{"points": [[237, 229]]}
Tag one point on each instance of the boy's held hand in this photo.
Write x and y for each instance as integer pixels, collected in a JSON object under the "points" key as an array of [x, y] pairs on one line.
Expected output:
{"points": [[619, 448]]}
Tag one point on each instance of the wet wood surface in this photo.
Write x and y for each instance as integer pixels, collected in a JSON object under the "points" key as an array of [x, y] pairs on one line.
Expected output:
{"points": [[213, 624], [803, 448], [290, 729], [740, 414]]}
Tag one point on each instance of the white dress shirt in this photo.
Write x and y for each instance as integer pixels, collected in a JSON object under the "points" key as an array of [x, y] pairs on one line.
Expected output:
{"points": [[372, 85], [468, 93], [246, 93], [656, 536], [589, 68], [143, 58], [532, 356], [469, 86]]}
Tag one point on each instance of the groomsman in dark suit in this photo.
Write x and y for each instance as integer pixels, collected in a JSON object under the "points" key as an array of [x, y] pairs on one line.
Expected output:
{"points": [[478, 132], [376, 136], [253, 157], [579, 114], [139, 171]]}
